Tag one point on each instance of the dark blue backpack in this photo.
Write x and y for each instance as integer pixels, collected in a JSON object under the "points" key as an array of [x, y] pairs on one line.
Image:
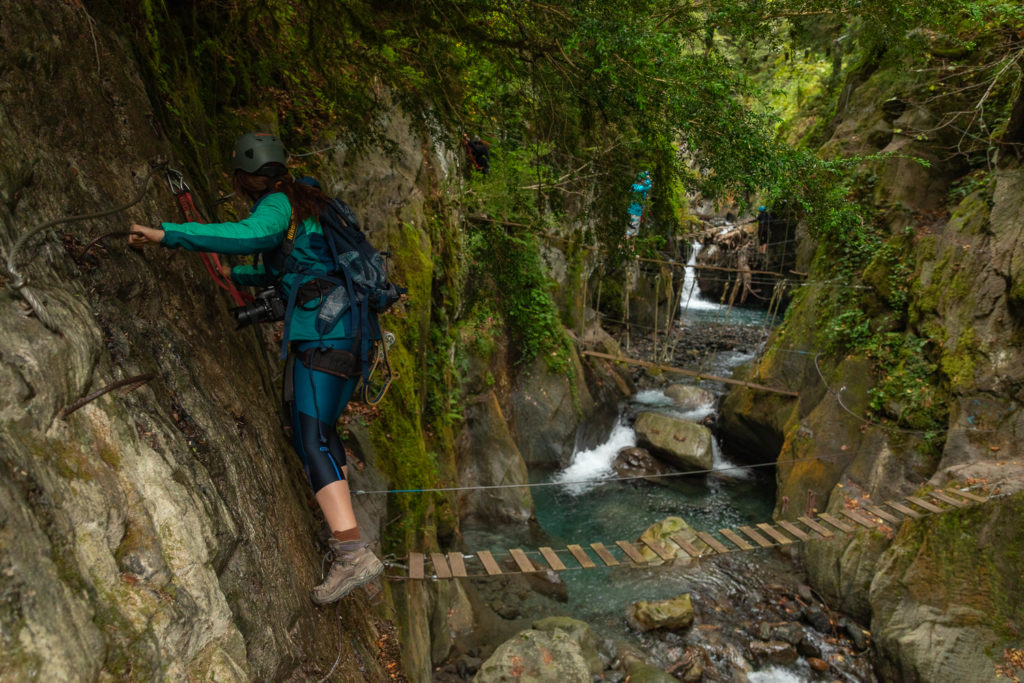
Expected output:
{"points": [[360, 278]]}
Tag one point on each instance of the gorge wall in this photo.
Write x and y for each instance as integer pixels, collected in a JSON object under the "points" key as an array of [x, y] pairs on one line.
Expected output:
{"points": [[911, 382]]}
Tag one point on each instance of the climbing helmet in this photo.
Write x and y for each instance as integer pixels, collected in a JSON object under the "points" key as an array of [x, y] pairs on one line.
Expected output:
{"points": [[253, 151]]}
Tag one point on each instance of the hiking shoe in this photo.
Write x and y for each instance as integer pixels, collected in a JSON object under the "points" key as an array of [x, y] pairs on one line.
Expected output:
{"points": [[352, 567]]}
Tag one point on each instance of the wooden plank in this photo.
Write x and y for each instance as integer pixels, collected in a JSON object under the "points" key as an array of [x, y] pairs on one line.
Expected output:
{"points": [[488, 561], [938, 494], [796, 531], [522, 561], [774, 533], [659, 550], [839, 524], [631, 550], [900, 507], [921, 503], [458, 565], [416, 565], [814, 526], [736, 539], [968, 495], [440, 566], [756, 537], [690, 373], [860, 519], [713, 542], [581, 556], [879, 512], [687, 547], [552, 559], [605, 556]]}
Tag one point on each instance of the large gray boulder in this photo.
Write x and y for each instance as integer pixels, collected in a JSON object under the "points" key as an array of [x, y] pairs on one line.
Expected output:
{"points": [[579, 631], [681, 443], [536, 657]]}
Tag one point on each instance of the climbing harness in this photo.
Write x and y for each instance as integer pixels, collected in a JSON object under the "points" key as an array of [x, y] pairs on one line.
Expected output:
{"points": [[183, 194]]}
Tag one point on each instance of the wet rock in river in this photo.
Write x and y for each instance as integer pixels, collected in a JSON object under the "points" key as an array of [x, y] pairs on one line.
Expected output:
{"points": [[674, 613], [661, 532], [548, 583], [639, 671], [636, 462], [680, 443], [773, 652], [688, 397]]}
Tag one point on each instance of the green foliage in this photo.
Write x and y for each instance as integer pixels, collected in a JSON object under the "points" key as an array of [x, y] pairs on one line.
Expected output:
{"points": [[508, 256]]}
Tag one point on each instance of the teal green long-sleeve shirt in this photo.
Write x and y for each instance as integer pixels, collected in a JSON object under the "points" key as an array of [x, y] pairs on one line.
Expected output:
{"points": [[264, 231]]}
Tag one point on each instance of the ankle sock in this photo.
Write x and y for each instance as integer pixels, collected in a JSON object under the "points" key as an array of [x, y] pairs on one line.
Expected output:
{"points": [[349, 539]]}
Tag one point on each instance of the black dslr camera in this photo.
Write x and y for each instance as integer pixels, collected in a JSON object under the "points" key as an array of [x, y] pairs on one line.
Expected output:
{"points": [[268, 307]]}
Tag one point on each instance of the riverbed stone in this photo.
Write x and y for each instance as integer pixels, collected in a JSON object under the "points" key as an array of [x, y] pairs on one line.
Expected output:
{"points": [[773, 652], [661, 532], [636, 462], [580, 632], [689, 397], [533, 656], [639, 671], [680, 443], [672, 614]]}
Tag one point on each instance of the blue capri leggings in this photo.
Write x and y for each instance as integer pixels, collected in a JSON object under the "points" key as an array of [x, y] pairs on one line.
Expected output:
{"points": [[320, 398]]}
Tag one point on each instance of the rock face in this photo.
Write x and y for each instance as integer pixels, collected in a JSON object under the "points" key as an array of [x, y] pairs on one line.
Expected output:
{"points": [[536, 656], [675, 613], [165, 532], [486, 432], [546, 411], [682, 444]]}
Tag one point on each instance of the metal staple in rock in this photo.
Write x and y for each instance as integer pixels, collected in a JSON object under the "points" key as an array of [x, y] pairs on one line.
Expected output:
{"points": [[132, 383]]}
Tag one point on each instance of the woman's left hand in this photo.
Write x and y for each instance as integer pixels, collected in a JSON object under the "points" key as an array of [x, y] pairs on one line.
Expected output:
{"points": [[141, 235]]}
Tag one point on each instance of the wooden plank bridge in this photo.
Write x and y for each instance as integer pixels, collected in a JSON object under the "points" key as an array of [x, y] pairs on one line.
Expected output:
{"points": [[483, 563]]}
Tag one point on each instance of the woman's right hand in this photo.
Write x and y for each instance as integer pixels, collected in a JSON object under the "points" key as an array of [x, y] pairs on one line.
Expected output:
{"points": [[142, 235]]}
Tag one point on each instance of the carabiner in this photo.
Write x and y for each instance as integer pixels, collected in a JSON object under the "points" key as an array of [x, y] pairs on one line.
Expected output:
{"points": [[176, 181]]}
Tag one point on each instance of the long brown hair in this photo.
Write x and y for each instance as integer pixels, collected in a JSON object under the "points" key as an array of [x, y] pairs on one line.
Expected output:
{"points": [[306, 200]]}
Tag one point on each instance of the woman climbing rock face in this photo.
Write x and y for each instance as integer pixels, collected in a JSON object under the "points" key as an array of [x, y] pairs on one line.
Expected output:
{"points": [[321, 371]]}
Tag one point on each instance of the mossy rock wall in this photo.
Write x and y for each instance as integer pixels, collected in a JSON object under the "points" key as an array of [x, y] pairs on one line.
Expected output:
{"points": [[165, 532], [839, 445]]}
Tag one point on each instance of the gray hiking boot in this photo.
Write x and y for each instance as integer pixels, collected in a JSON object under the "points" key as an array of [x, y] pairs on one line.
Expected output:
{"points": [[354, 564]]}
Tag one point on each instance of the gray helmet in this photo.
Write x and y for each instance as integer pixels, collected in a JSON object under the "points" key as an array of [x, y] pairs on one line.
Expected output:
{"points": [[253, 151]]}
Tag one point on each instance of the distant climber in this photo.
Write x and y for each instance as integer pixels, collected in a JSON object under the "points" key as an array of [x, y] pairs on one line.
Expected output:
{"points": [[764, 227], [322, 371], [479, 152], [638, 202]]}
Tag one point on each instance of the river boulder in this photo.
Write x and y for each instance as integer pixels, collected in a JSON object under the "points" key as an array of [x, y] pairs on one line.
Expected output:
{"points": [[678, 442], [636, 462], [689, 397], [534, 656], [671, 614], [661, 533], [579, 631]]}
